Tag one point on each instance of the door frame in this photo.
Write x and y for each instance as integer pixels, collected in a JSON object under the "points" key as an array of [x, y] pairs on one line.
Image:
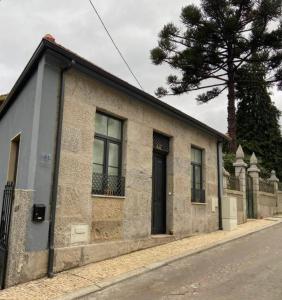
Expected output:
{"points": [[13, 159]]}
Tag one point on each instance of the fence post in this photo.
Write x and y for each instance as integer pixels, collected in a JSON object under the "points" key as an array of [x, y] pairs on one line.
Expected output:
{"points": [[254, 171], [240, 171], [274, 180]]}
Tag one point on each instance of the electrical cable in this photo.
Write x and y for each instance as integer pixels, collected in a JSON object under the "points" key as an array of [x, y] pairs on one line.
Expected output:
{"points": [[115, 45]]}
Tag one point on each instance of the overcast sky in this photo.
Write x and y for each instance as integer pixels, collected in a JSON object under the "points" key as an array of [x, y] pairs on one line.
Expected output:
{"points": [[133, 24]]}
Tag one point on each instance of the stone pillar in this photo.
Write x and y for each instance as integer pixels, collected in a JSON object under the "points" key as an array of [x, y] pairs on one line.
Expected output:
{"points": [[229, 207], [254, 173], [240, 171], [273, 179]]}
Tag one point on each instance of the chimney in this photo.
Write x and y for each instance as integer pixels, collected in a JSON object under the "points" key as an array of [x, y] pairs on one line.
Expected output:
{"points": [[49, 38]]}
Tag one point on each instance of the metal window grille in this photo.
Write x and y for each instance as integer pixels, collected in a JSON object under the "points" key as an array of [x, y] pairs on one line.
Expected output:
{"points": [[109, 185], [265, 186], [233, 183], [161, 142]]}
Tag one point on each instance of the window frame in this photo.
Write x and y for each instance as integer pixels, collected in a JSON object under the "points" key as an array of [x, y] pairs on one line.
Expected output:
{"points": [[193, 175], [107, 140]]}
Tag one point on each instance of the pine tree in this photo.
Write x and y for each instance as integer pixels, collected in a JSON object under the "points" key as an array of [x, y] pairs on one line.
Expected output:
{"points": [[213, 42], [258, 127]]}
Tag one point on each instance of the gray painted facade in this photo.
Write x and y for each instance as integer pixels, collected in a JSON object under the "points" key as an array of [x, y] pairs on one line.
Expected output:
{"points": [[34, 116]]}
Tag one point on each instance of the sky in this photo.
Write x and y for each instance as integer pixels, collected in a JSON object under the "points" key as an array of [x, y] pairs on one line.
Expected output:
{"points": [[134, 26]]}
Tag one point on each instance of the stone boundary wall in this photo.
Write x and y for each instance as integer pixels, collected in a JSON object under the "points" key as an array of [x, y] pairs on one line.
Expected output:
{"points": [[267, 204], [279, 202]]}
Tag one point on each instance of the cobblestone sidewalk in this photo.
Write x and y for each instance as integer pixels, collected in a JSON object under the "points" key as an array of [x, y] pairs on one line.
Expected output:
{"points": [[107, 271]]}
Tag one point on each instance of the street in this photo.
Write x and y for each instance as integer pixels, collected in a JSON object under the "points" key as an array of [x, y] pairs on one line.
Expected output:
{"points": [[248, 268]]}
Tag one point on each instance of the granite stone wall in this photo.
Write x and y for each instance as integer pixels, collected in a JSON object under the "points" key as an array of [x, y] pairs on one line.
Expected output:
{"points": [[22, 265], [111, 221]]}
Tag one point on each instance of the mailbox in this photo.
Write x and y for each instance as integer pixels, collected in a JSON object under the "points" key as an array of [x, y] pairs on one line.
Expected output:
{"points": [[38, 214]]}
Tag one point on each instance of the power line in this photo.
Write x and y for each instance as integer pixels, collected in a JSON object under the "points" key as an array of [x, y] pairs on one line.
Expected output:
{"points": [[115, 45]]}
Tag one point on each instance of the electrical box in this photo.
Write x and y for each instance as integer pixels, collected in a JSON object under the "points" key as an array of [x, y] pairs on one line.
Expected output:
{"points": [[38, 214]]}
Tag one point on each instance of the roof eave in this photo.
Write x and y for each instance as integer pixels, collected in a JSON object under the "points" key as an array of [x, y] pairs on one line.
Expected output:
{"points": [[104, 75]]}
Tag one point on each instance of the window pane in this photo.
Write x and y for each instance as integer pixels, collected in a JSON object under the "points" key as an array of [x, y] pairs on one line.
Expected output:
{"points": [[198, 178], [101, 124], [197, 196], [113, 171], [98, 152], [97, 169], [113, 155], [196, 155], [114, 128]]}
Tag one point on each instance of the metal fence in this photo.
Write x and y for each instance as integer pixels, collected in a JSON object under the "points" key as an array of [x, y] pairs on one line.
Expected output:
{"points": [[109, 185], [233, 183], [266, 186], [8, 198]]}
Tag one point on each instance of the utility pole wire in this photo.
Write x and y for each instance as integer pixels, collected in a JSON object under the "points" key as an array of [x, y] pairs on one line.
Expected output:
{"points": [[115, 45]]}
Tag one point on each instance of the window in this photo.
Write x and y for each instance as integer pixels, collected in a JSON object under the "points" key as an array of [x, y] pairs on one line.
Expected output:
{"points": [[107, 178], [13, 160], [197, 192]]}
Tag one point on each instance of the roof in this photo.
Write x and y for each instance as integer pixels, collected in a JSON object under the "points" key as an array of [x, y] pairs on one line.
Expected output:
{"points": [[63, 54], [2, 99]]}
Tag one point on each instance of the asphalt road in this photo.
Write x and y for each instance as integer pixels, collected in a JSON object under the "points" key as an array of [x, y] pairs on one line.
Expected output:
{"points": [[245, 269]]}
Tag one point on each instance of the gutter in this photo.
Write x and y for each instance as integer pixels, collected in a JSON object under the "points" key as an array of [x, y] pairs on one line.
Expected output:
{"points": [[219, 183], [54, 194]]}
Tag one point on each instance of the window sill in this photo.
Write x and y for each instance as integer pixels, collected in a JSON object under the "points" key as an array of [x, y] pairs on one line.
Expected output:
{"points": [[199, 203], [107, 196]]}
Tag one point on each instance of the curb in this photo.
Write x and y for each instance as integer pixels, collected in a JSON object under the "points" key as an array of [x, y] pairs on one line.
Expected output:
{"points": [[96, 287]]}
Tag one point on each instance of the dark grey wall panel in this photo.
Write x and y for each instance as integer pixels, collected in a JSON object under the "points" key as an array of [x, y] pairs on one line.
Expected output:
{"points": [[19, 119], [45, 154]]}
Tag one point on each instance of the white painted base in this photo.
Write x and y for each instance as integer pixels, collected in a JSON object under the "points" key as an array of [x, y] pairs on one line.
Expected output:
{"points": [[229, 224]]}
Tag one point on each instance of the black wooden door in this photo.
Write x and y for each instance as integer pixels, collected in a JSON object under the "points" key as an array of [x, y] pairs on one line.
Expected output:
{"points": [[159, 194]]}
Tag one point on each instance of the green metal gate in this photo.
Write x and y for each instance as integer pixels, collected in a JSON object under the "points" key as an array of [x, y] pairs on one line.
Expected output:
{"points": [[250, 197]]}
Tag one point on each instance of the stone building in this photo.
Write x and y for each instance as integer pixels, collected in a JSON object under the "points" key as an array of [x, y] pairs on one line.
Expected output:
{"points": [[99, 168]]}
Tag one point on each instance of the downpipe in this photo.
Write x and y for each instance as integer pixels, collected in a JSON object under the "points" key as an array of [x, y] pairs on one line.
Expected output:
{"points": [[219, 183], [53, 200]]}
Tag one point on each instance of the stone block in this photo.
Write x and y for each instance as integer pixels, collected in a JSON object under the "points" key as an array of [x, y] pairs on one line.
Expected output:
{"points": [[107, 208], [67, 258], [107, 230], [17, 257]]}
